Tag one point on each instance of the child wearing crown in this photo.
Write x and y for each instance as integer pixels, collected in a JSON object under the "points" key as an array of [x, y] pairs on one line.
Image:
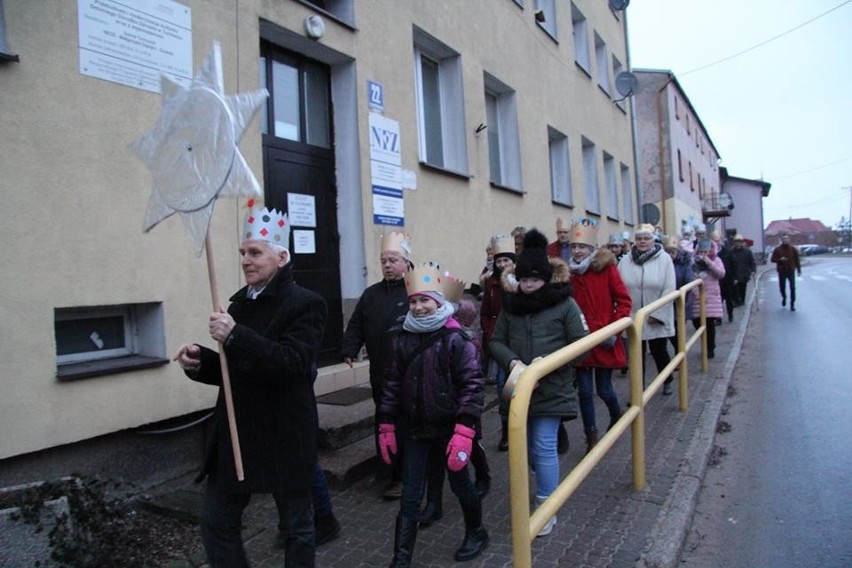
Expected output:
{"points": [[433, 396]]}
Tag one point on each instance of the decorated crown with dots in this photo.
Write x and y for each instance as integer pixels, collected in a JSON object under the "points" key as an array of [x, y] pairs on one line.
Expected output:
{"points": [[268, 225], [428, 277]]}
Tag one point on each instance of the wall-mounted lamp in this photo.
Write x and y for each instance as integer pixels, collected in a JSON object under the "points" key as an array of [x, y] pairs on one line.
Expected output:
{"points": [[482, 126], [539, 16], [314, 27]]}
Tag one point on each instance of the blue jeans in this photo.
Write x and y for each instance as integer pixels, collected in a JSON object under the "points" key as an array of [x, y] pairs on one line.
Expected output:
{"points": [[541, 439], [415, 459], [501, 377], [221, 524], [585, 389]]}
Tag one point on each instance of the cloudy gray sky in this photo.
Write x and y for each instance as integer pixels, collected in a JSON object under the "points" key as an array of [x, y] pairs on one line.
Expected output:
{"points": [[781, 111]]}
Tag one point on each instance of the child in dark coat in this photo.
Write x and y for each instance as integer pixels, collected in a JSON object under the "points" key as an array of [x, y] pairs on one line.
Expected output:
{"points": [[433, 397]]}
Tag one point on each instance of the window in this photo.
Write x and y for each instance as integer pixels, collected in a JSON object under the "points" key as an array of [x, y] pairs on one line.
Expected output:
{"points": [[688, 127], [343, 10], [611, 181], [504, 151], [590, 177], [560, 168], [299, 94], [679, 166], [579, 27], [440, 104], [677, 109], [92, 341], [617, 68], [4, 49], [626, 194], [602, 63], [546, 16], [691, 178]]}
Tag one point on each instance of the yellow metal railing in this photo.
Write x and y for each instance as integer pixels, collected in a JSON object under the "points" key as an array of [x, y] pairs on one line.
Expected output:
{"points": [[525, 527]]}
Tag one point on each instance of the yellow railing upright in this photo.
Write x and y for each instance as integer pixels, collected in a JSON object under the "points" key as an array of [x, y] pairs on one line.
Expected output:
{"points": [[525, 526]]}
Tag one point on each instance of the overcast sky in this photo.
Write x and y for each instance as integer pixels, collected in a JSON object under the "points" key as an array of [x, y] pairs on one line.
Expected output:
{"points": [[781, 112]]}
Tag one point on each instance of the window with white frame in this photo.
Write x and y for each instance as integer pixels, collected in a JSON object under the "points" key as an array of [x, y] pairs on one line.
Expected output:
{"points": [[560, 168], [546, 16], [343, 10], [602, 62], [440, 104], [679, 166], [580, 30], [626, 194], [617, 68], [611, 181], [504, 148], [98, 340], [590, 177]]}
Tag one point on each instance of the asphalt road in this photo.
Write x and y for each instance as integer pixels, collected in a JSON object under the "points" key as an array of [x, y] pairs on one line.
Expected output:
{"points": [[778, 494]]}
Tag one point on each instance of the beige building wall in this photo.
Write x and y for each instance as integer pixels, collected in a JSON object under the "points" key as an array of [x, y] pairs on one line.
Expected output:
{"points": [[75, 197]]}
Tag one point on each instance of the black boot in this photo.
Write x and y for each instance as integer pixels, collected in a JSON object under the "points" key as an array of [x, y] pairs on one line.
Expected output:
{"points": [[475, 536], [431, 513], [503, 445], [562, 444], [403, 542]]}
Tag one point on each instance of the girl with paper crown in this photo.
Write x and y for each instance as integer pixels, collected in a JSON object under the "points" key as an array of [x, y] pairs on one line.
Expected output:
{"points": [[433, 397]]}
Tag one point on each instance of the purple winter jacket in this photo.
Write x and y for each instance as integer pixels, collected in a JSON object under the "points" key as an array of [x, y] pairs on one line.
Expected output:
{"points": [[429, 392]]}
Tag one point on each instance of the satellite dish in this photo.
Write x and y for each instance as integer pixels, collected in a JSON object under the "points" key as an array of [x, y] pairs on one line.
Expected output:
{"points": [[726, 201], [626, 83], [650, 213], [618, 5]]}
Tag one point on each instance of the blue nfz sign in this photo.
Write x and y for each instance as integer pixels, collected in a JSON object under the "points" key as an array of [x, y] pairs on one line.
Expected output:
{"points": [[375, 96]]}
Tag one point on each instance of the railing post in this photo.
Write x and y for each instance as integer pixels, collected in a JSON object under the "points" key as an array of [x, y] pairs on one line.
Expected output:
{"points": [[637, 388]]}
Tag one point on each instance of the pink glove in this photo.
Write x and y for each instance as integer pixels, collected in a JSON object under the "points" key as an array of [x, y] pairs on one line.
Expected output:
{"points": [[459, 448], [387, 442]]}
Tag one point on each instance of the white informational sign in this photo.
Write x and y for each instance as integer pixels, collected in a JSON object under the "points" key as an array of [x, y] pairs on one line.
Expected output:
{"points": [[409, 179], [384, 140], [301, 210], [388, 206], [304, 242], [386, 175], [132, 43]]}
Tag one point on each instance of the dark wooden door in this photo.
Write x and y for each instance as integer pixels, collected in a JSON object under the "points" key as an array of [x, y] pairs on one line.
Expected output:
{"points": [[291, 168]]}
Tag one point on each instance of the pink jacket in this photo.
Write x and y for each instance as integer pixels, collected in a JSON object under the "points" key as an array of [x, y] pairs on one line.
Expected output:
{"points": [[711, 275]]}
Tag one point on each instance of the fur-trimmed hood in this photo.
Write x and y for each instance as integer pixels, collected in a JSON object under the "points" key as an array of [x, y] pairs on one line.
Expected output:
{"points": [[601, 258], [561, 274]]}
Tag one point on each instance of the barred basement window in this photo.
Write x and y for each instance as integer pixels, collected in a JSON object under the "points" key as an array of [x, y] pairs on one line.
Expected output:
{"points": [[100, 340]]}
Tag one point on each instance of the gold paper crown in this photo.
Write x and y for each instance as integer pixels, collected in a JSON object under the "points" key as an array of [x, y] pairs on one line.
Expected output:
{"points": [[267, 225], [584, 231], [645, 228], [560, 225], [502, 244], [396, 241], [428, 277]]}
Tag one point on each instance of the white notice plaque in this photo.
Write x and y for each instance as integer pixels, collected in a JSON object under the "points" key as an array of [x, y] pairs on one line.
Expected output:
{"points": [[304, 242], [301, 210]]}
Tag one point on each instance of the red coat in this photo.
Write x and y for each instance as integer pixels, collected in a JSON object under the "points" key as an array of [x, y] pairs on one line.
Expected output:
{"points": [[603, 298], [489, 309]]}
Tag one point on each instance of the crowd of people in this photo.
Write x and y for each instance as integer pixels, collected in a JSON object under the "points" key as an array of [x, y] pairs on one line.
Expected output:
{"points": [[433, 348]]}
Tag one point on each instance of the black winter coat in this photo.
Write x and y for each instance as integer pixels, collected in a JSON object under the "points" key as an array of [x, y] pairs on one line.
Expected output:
{"points": [[271, 355]]}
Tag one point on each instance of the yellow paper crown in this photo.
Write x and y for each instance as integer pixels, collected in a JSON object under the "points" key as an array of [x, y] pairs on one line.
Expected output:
{"points": [[645, 228], [502, 244], [263, 224], [560, 224], [584, 231], [397, 241], [453, 288], [428, 277]]}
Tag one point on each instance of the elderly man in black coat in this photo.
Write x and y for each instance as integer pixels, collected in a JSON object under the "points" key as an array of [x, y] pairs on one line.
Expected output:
{"points": [[271, 335]]}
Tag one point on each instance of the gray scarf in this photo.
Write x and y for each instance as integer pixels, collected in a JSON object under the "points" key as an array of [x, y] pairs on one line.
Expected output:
{"points": [[428, 323], [580, 267]]}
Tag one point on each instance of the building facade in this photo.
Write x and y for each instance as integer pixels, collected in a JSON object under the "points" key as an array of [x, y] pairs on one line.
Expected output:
{"points": [[746, 218], [451, 120], [678, 165]]}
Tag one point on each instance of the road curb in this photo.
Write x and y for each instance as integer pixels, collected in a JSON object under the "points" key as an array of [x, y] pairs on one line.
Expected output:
{"points": [[675, 519]]}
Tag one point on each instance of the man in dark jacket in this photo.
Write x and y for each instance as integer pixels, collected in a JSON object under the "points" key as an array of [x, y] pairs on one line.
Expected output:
{"points": [[786, 259], [742, 261], [270, 334], [381, 306]]}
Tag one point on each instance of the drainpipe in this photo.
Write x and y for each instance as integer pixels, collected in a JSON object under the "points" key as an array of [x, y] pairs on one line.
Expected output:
{"points": [[660, 150]]}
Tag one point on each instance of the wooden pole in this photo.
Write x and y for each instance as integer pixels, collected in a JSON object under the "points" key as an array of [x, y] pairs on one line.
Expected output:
{"points": [[223, 362]]}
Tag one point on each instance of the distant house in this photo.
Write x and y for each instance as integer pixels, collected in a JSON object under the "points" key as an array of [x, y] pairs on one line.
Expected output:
{"points": [[801, 231], [746, 217]]}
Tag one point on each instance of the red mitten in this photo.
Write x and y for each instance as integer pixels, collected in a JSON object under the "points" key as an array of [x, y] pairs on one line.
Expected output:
{"points": [[459, 448], [387, 442]]}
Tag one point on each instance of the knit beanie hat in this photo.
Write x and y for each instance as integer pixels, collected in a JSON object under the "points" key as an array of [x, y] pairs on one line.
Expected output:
{"points": [[533, 261], [434, 294]]}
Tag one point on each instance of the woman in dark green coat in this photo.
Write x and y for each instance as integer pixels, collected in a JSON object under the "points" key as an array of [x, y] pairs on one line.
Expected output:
{"points": [[538, 318]]}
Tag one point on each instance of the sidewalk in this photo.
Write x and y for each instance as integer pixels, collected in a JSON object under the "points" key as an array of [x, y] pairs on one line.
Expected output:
{"points": [[604, 524]]}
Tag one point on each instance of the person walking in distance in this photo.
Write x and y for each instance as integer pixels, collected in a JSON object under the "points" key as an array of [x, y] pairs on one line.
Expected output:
{"points": [[380, 307], [603, 298], [787, 263], [742, 263], [433, 397], [710, 268], [271, 335]]}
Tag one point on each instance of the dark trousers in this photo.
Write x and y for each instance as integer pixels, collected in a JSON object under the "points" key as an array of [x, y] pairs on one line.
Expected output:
{"points": [[416, 455], [784, 277], [740, 288], [221, 524], [437, 466], [727, 289], [659, 351], [711, 332]]}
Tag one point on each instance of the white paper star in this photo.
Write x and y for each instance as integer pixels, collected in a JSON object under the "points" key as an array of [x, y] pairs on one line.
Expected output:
{"points": [[192, 149]]}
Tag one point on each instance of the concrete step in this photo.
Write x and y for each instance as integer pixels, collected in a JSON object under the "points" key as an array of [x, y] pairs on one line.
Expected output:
{"points": [[342, 425]]}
